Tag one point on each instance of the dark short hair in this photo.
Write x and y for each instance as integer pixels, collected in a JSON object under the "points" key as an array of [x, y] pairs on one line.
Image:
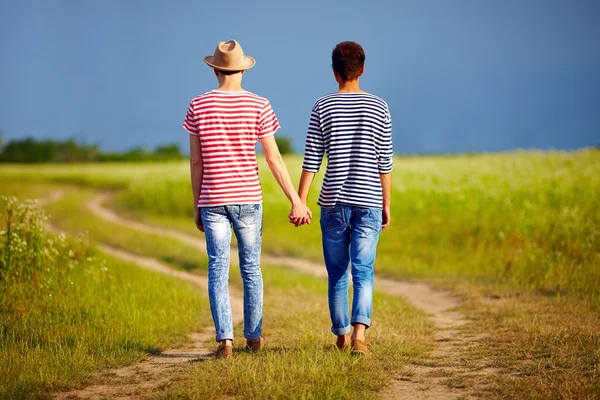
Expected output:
{"points": [[228, 72], [348, 60]]}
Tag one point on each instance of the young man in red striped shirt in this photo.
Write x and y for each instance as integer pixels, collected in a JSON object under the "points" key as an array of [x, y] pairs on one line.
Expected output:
{"points": [[224, 126]]}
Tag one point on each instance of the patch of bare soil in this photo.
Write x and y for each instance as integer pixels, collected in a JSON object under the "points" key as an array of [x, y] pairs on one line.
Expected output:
{"points": [[448, 374]]}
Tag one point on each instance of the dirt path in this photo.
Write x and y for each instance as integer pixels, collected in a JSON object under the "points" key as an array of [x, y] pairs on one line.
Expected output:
{"points": [[52, 197], [157, 371], [424, 382]]}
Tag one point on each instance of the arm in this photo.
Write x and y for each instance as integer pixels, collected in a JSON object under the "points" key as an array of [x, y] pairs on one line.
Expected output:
{"points": [[386, 188], [300, 211], [314, 149], [385, 164], [306, 180], [196, 173]]}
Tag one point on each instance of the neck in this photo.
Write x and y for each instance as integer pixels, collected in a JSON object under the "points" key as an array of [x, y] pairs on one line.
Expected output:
{"points": [[230, 83], [349, 86]]}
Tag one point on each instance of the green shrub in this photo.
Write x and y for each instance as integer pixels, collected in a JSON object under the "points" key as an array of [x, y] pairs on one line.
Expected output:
{"points": [[31, 263]]}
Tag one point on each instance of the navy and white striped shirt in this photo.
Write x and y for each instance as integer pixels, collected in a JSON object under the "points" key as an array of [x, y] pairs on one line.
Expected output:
{"points": [[355, 131]]}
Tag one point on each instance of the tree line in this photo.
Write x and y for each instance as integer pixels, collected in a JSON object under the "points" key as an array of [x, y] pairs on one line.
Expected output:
{"points": [[30, 150]]}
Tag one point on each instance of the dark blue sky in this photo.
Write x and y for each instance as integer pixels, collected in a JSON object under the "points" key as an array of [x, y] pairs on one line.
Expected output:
{"points": [[461, 75]]}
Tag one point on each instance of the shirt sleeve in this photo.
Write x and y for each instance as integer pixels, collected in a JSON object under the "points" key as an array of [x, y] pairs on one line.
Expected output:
{"points": [[386, 150], [314, 149], [189, 123], [267, 121]]}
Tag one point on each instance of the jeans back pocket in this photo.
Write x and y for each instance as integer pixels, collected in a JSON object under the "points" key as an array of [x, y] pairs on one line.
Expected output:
{"points": [[332, 221], [250, 214]]}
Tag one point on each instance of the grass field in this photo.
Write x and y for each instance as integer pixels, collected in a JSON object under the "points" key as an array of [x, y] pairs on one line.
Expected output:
{"points": [[516, 235], [297, 329], [530, 219], [67, 311]]}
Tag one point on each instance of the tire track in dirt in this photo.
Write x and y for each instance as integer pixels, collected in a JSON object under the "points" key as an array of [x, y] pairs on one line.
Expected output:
{"points": [[157, 371], [421, 381]]}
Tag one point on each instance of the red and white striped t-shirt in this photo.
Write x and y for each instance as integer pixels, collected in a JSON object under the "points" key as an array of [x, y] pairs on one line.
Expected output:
{"points": [[229, 124]]}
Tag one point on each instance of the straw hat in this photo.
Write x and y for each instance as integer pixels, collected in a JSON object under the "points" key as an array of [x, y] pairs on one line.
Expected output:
{"points": [[229, 56]]}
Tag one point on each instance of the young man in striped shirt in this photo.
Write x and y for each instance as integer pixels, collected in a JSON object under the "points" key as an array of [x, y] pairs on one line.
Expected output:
{"points": [[224, 126], [354, 129]]}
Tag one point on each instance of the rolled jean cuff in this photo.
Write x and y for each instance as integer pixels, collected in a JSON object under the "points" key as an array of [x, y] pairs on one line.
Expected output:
{"points": [[224, 336], [341, 331], [359, 319], [252, 337]]}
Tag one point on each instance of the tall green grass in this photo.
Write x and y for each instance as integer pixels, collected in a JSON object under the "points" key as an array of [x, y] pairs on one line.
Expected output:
{"points": [[297, 331], [66, 311], [527, 219]]}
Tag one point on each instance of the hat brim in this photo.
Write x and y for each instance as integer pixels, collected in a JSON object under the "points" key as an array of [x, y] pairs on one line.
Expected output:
{"points": [[247, 64]]}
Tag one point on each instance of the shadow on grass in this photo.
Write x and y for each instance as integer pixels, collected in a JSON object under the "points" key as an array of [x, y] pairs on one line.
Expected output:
{"points": [[152, 350]]}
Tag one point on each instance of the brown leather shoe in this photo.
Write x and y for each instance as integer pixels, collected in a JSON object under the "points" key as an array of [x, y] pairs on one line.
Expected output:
{"points": [[343, 342], [224, 351], [360, 348], [256, 344]]}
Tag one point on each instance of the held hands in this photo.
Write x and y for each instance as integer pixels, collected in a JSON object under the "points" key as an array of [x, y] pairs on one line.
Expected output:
{"points": [[300, 214]]}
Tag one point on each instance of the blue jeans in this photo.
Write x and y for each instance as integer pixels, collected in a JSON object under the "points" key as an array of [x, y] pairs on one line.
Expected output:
{"points": [[246, 220], [350, 235]]}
